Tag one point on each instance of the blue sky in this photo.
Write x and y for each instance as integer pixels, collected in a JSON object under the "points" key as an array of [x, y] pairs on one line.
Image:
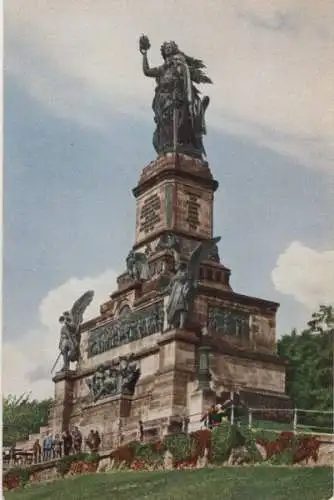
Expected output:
{"points": [[73, 152]]}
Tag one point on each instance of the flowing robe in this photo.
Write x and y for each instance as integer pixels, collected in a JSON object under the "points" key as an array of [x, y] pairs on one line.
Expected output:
{"points": [[178, 298]]}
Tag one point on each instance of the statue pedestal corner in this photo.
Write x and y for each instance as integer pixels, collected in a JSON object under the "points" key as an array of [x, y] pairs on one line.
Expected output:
{"points": [[200, 401]]}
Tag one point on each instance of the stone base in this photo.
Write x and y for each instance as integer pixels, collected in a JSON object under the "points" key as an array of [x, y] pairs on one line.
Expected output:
{"points": [[167, 392], [200, 402]]}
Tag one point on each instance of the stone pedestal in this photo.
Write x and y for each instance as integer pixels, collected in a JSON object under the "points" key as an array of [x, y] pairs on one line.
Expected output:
{"points": [[200, 401], [63, 406], [203, 374]]}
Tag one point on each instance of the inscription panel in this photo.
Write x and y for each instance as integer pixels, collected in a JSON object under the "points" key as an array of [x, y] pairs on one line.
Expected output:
{"points": [[192, 207], [150, 213], [128, 328], [229, 321], [193, 211]]}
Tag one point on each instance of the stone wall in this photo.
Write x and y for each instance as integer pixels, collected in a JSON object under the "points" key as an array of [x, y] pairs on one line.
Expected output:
{"points": [[248, 373]]}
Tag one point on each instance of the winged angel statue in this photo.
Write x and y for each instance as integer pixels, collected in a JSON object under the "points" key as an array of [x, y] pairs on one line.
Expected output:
{"points": [[69, 343], [181, 288]]}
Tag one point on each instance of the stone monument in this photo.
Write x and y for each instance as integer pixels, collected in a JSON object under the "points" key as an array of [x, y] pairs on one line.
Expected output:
{"points": [[174, 336]]}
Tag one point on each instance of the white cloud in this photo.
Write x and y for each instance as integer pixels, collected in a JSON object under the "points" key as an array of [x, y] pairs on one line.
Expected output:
{"points": [[271, 63], [27, 362], [306, 274]]}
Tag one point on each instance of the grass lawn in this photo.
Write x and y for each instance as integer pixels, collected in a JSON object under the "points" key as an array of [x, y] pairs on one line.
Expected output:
{"points": [[228, 483]]}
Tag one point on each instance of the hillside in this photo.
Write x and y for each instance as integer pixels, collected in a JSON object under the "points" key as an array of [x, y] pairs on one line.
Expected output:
{"points": [[228, 483]]}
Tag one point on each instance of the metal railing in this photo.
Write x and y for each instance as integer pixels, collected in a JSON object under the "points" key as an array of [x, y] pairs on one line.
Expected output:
{"points": [[301, 420], [294, 423]]}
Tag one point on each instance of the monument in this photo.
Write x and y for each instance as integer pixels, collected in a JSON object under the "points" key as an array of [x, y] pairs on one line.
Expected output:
{"points": [[174, 336]]}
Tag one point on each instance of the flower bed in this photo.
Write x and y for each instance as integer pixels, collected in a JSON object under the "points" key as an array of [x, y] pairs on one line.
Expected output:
{"points": [[287, 448], [224, 444], [218, 445]]}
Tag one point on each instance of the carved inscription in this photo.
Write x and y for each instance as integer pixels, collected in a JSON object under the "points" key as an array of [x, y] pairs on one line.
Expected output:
{"points": [[192, 210], [150, 213], [133, 326], [229, 321]]}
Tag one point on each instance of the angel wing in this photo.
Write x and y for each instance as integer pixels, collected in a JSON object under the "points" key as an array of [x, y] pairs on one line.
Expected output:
{"points": [[201, 252], [197, 67], [79, 307]]}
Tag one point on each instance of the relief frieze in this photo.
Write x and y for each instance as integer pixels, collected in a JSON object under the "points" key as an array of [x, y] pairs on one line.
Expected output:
{"points": [[133, 326], [229, 321]]}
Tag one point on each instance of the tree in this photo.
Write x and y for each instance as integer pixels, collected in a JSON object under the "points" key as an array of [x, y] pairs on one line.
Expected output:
{"points": [[22, 416], [309, 376]]}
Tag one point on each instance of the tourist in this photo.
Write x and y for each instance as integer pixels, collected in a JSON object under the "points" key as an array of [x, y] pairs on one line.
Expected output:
{"points": [[217, 415], [36, 451], [44, 449], [90, 440], [47, 447], [67, 442], [57, 447], [141, 431], [207, 417], [77, 440], [6, 456], [238, 405], [97, 442], [93, 441]]}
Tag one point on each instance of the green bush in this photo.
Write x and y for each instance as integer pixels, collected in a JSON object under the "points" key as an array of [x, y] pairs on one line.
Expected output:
{"points": [[180, 446], [223, 436], [92, 458], [64, 464], [253, 454], [149, 453]]}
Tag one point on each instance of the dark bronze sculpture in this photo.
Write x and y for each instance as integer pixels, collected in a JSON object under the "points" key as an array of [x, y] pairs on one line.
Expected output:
{"points": [[178, 109], [137, 265], [114, 379], [182, 286], [69, 343]]}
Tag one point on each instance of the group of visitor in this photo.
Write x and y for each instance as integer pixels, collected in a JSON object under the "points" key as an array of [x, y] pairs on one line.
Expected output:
{"points": [[54, 447], [218, 413]]}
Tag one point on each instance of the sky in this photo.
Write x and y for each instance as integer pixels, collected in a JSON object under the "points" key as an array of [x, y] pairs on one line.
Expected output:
{"points": [[78, 130]]}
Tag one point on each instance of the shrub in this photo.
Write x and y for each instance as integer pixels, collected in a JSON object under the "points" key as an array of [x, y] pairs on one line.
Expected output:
{"points": [[63, 465], [93, 458], [180, 446], [253, 454], [222, 442], [151, 453], [15, 477]]}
